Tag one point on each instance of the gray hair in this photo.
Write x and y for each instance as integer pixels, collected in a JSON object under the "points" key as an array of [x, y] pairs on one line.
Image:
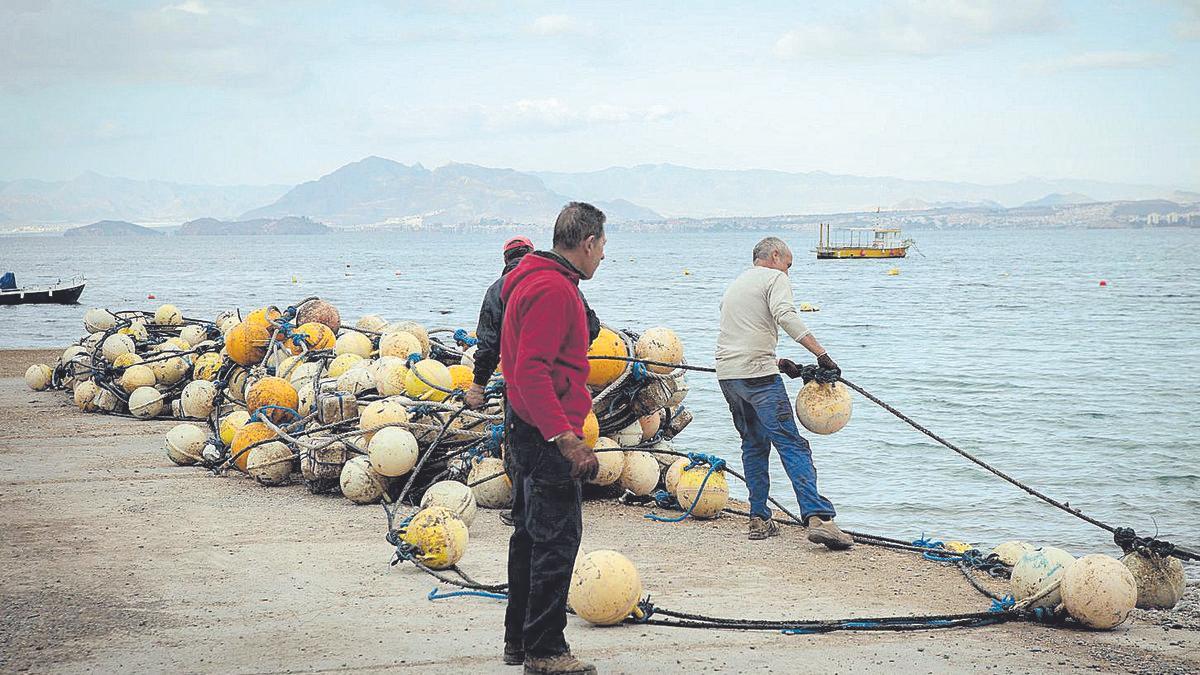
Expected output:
{"points": [[764, 248], [576, 222]]}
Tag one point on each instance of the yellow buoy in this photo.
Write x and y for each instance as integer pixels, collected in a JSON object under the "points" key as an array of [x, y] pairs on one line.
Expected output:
{"points": [[591, 429], [604, 372], [136, 330], [1011, 551], [495, 492], [1098, 591], [168, 315], [249, 434], [231, 423], [38, 376], [1037, 571], [116, 345], [399, 344], [431, 372], [315, 336], [270, 464], [85, 395], [823, 408], [461, 377], [393, 451], [708, 503], [1160, 580], [605, 588], [671, 480], [206, 366], [185, 442], [438, 535], [126, 360], [452, 495], [359, 482], [612, 462], [264, 318], [640, 473], [416, 330], [353, 342], [893, 271], [246, 343], [339, 365], [274, 398], [957, 546], [659, 344], [145, 402]]}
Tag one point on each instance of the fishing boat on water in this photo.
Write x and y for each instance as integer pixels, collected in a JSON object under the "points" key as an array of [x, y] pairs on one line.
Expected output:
{"points": [[58, 293], [861, 242]]}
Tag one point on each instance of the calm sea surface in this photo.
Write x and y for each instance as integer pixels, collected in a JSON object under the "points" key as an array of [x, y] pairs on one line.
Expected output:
{"points": [[1003, 342]]}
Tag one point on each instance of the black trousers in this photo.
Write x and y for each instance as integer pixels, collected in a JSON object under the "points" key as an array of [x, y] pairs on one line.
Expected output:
{"points": [[548, 525]]}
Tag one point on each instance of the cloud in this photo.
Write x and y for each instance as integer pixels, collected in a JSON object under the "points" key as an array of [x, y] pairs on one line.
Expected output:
{"points": [[919, 28], [192, 42], [1188, 27], [189, 7], [554, 24], [552, 114], [1114, 60]]}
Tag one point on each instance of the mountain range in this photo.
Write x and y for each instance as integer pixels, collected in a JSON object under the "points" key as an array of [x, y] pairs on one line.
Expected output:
{"points": [[381, 192]]}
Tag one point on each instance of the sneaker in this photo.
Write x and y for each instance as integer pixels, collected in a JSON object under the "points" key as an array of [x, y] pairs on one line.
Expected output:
{"points": [[559, 664], [825, 531], [506, 518], [514, 654], [761, 528]]}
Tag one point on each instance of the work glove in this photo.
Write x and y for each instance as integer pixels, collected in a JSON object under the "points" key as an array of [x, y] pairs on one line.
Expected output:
{"points": [[584, 464], [474, 397], [826, 363], [788, 367]]}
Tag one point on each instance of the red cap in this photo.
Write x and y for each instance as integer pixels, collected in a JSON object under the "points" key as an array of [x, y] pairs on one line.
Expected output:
{"points": [[517, 242]]}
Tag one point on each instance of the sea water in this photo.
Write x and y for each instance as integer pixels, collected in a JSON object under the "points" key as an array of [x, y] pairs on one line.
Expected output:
{"points": [[1004, 342]]}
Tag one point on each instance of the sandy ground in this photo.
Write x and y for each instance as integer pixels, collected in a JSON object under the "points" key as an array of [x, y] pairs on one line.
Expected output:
{"points": [[115, 559]]}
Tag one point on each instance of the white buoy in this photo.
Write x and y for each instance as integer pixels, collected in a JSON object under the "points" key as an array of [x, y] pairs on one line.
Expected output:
{"points": [[641, 472], [612, 462], [393, 451], [98, 320], [360, 483], [495, 492], [197, 398], [116, 345], [1160, 580], [1011, 551], [38, 376], [270, 464], [1037, 571], [630, 436], [452, 495], [184, 444], [145, 402], [85, 396], [1098, 591]]}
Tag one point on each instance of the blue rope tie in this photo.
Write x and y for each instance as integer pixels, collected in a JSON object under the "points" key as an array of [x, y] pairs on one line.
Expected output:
{"points": [[639, 372], [1003, 604], [461, 337], [497, 435], [436, 594], [714, 464], [256, 415]]}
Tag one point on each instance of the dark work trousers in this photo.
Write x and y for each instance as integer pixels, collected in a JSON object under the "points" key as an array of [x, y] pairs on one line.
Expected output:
{"points": [[547, 527]]}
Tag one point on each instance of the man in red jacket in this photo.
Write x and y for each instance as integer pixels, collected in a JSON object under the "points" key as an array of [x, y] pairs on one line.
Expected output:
{"points": [[544, 339]]}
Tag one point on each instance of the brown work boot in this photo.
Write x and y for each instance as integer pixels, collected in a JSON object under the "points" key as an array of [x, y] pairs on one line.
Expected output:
{"points": [[825, 531], [761, 528], [514, 654], [559, 664]]}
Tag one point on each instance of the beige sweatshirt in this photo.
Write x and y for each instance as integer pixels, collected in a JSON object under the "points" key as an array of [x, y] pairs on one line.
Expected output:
{"points": [[754, 306]]}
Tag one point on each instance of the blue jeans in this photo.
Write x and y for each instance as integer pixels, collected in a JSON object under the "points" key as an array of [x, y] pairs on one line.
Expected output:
{"points": [[762, 413]]}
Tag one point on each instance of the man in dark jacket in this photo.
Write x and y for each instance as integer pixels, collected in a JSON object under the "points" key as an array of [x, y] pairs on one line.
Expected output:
{"points": [[487, 330], [545, 342], [491, 316]]}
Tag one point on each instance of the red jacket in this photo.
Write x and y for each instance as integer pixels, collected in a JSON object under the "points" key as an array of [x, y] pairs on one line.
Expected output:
{"points": [[544, 341]]}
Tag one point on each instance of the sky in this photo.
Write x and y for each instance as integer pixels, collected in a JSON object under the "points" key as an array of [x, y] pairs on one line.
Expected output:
{"points": [[216, 92]]}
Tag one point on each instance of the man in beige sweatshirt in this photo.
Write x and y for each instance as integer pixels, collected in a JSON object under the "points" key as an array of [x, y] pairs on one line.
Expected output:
{"points": [[755, 305]]}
